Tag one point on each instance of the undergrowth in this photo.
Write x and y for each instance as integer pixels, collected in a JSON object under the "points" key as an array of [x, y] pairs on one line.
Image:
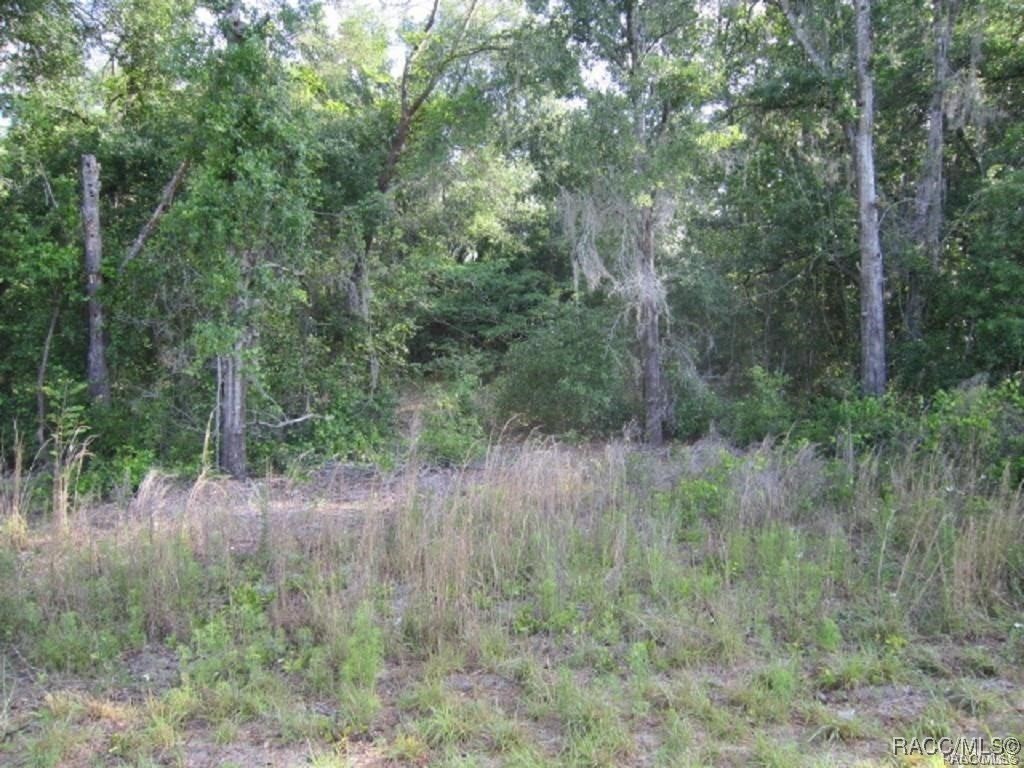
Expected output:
{"points": [[550, 607]]}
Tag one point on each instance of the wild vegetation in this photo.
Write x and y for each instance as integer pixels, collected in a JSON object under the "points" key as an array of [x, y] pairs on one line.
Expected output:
{"points": [[546, 606], [509, 382]]}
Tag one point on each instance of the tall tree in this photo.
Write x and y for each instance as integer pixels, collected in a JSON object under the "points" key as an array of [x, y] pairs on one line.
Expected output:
{"points": [[860, 135], [928, 215], [97, 374], [872, 274], [436, 53], [236, 238], [620, 207]]}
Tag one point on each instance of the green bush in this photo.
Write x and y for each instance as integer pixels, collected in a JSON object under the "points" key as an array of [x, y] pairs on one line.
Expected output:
{"points": [[70, 644], [354, 425], [237, 642], [763, 411], [860, 422], [125, 469], [980, 422], [571, 375], [365, 656], [451, 431]]}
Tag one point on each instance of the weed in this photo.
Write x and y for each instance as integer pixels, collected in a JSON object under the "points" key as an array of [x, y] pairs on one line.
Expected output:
{"points": [[828, 636], [865, 667]]}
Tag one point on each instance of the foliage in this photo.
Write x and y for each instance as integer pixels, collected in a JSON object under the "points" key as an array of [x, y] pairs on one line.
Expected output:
{"points": [[357, 226], [573, 374], [974, 422], [237, 642], [696, 408], [763, 412], [451, 431], [353, 424], [858, 422], [478, 306], [983, 423]]}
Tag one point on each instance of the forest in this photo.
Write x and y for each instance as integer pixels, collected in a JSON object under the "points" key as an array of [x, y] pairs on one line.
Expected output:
{"points": [[511, 382]]}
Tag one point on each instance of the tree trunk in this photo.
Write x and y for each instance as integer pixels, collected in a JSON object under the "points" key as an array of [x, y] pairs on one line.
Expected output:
{"points": [[648, 322], [231, 376], [360, 294], [653, 384], [928, 203], [872, 306], [97, 375]]}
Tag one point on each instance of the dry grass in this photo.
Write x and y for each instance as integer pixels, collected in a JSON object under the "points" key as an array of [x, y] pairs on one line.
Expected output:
{"points": [[610, 598]]}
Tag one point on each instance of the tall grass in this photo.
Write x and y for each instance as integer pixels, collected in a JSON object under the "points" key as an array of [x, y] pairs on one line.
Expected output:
{"points": [[68, 452], [620, 558], [549, 539], [602, 583]]}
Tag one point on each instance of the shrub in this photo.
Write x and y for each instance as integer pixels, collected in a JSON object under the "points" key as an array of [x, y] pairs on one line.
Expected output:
{"points": [[980, 422], [123, 470], [695, 407], [859, 422], [451, 431], [764, 411], [573, 374], [354, 425], [238, 642], [980, 425]]}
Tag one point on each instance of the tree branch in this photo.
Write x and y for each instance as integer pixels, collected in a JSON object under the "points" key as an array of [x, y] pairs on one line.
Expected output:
{"points": [[409, 111], [289, 422], [800, 33], [161, 208]]}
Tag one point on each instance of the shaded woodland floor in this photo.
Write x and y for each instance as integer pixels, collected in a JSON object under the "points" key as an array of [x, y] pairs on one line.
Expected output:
{"points": [[547, 606]]}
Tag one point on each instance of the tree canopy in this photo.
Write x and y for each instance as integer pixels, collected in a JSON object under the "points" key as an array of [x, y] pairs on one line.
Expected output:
{"points": [[308, 212]]}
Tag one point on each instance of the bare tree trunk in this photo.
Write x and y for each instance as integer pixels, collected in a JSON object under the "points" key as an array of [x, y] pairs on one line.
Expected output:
{"points": [[653, 382], [648, 322], [360, 294], [861, 138], [928, 203], [872, 277], [233, 381], [96, 360], [232, 454]]}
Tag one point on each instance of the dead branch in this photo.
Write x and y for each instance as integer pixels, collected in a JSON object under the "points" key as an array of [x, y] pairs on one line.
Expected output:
{"points": [[166, 197]]}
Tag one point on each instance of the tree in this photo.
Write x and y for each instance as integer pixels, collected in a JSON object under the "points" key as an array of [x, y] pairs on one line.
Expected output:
{"points": [[860, 135], [97, 374], [437, 50], [872, 274], [235, 241], [928, 215], [629, 165]]}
